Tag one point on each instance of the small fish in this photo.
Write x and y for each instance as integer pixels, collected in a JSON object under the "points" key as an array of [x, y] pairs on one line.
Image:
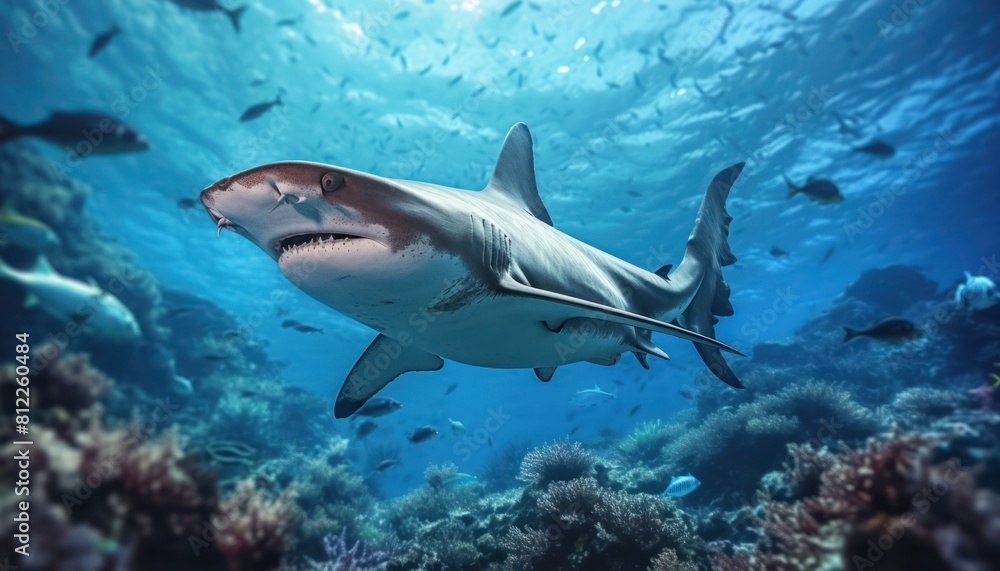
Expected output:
{"points": [[451, 388], [181, 386], [591, 397], [778, 252], [102, 41], [255, 111], [68, 129], [686, 394], [681, 486], [510, 8], [26, 232], [290, 323], [386, 464], [288, 22], [642, 386], [876, 148], [828, 255], [379, 406], [421, 434], [618, 382], [455, 80], [457, 427], [638, 82], [573, 431], [819, 189], [366, 428], [425, 70], [213, 357], [258, 82], [891, 330], [187, 203], [308, 329], [634, 410]]}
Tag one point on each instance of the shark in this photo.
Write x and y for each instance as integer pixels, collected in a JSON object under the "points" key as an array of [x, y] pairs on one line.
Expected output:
{"points": [[478, 277]]}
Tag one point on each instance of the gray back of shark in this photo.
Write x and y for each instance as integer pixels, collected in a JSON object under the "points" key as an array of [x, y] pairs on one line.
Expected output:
{"points": [[477, 277]]}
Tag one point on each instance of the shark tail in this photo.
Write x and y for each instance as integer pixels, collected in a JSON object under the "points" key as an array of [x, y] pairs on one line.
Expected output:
{"points": [[706, 254], [234, 16]]}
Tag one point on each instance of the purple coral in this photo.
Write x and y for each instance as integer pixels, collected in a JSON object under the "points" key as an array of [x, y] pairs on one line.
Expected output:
{"points": [[357, 557]]}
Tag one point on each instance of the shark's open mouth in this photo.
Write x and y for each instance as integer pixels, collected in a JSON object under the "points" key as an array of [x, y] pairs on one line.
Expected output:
{"points": [[295, 242]]}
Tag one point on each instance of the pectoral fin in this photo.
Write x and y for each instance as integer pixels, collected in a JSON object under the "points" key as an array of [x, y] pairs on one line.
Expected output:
{"points": [[570, 307], [383, 360]]}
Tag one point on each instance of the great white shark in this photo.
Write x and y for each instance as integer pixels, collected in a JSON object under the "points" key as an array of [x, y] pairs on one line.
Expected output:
{"points": [[476, 277]]}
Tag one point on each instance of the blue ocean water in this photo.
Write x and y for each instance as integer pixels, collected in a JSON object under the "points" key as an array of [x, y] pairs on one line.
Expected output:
{"points": [[633, 107]]}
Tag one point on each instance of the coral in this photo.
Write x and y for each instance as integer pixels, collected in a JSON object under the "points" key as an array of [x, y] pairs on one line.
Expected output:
{"points": [[582, 525], [256, 534], [920, 406], [64, 391], [668, 561], [556, 462], [439, 476], [106, 498], [357, 557], [750, 440], [888, 503], [329, 492], [647, 441]]}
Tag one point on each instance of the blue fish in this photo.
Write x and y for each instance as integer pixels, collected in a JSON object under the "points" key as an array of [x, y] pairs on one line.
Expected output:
{"points": [[681, 486]]}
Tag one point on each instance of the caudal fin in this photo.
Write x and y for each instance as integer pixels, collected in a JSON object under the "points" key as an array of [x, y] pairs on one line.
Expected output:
{"points": [[9, 130], [792, 189], [706, 254], [235, 15], [850, 333]]}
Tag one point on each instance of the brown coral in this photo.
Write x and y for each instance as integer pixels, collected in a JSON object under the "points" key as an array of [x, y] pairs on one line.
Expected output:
{"points": [[888, 503]]}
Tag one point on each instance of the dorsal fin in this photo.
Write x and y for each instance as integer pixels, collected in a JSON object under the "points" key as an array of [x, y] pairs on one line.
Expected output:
{"points": [[514, 175], [42, 266]]}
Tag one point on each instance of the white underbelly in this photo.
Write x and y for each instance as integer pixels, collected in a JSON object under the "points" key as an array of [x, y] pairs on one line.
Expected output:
{"points": [[500, 332]]}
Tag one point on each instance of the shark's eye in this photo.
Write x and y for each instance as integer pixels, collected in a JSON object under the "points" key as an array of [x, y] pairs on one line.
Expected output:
{"points": [[332, 181]]}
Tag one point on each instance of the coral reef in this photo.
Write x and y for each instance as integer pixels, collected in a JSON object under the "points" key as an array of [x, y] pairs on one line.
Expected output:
{"points": [[124, 497], [582, 525], [887, 504], [556, 462], [357, 557], [732, 449]]}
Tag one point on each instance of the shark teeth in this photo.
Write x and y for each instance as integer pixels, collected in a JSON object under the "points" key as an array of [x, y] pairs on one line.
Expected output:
{"points": [[306, 240], [222, 223]]}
